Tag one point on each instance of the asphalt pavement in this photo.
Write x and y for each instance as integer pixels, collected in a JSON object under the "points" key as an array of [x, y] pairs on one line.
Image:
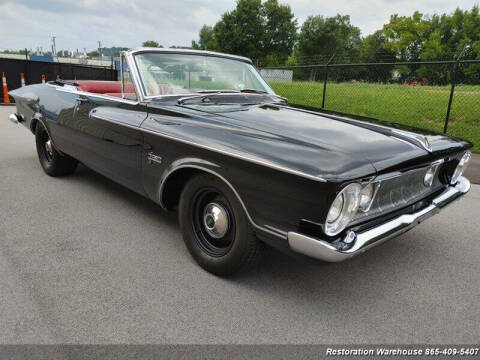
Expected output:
{"points": [[83, 260]]}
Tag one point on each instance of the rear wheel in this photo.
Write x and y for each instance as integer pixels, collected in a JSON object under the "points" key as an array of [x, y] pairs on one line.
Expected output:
{"points": [[215, 227], [53, 163]]}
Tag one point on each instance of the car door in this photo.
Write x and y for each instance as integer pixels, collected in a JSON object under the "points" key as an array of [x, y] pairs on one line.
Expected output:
{"points": [[107, 137]]}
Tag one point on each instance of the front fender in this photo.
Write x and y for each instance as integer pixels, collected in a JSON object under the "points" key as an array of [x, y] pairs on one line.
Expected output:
{"points": [[182, 164]]}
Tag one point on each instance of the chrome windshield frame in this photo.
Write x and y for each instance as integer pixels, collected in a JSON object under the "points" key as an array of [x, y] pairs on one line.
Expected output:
{"points": [[133, 73], [137, 82]]}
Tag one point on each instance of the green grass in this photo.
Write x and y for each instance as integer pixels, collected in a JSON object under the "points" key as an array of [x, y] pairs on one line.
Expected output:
{"points": [[419, 106]]}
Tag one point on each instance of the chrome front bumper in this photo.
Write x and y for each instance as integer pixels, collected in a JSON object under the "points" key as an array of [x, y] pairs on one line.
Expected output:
{"points": [[323, 250]]}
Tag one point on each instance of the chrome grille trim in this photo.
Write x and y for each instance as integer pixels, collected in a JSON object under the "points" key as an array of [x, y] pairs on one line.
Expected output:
{"points": [[400, 189]]}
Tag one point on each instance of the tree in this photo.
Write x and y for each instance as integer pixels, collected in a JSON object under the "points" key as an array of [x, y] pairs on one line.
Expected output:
{"points": [[449, 36], [151, 43], [328, 36], [180, 47], [321, 37], [241, 30], [93, 54], [374, 49], [280, 31], [63, 53], [406, 35], [117, 50], [206, 39], [439, 37], [264, 32]]}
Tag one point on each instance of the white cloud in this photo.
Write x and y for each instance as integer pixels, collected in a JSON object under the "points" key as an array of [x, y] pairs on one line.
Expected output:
{"points": [[81, 23]]}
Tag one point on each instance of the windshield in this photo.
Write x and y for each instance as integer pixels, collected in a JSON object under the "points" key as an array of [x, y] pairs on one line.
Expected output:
{"points": [[171, 74]]}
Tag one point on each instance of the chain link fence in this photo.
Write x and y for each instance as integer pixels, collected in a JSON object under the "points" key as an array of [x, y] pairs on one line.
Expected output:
{"points": [[443, 96]]}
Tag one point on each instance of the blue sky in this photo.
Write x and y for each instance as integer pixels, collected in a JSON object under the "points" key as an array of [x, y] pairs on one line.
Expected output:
{"points": [[81, 23]]}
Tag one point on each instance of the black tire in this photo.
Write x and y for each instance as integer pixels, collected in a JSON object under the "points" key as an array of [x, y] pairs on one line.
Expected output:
{"points": [[236, 251], [53, 163]]}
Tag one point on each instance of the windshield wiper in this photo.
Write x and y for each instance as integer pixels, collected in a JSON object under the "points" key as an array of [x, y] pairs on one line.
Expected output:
{"points": [[202, 98], [253, 91], [217, 91], [245, 91], [209, 97]]}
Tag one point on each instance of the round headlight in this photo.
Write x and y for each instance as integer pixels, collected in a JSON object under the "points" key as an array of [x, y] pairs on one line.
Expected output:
{"points": [[343, 209], [366, 197], [462, 165], [430, 175], [336, 208]]}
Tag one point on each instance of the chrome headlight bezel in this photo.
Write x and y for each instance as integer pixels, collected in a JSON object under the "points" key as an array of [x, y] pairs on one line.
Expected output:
{"points": [[430, 175], [367, 195], [461, 166], [343, 209]]}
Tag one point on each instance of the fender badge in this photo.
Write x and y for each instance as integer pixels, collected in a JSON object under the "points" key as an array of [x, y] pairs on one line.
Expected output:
{"points": [[152, 158]]}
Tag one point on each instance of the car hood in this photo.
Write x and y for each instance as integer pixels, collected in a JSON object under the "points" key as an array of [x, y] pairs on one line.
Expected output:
{"points": [[330, 146]]}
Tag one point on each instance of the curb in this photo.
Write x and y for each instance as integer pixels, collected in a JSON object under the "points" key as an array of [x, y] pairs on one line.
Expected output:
{"points": [[473, 170]]}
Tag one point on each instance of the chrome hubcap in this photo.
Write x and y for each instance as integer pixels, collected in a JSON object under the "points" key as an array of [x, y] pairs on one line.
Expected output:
{"points": [[216, 220], [49, 148]]}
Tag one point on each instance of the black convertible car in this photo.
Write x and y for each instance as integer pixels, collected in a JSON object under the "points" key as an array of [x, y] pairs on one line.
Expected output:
{"points": [[203, 132]]}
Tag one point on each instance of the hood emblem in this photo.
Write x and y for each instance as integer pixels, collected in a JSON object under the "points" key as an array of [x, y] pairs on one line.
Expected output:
{"points": [[426, 143], [417, 139]]}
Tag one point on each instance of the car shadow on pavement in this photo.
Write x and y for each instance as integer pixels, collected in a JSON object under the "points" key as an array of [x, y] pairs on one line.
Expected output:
{"points": [[363, 279], [137, 201], [360, 279]]}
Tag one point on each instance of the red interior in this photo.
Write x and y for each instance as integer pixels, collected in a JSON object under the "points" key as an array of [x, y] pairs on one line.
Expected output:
{"points": [[112, 88]]}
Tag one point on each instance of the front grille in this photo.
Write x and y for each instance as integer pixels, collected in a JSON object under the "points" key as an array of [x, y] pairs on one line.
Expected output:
{"points": [[400, 191]]}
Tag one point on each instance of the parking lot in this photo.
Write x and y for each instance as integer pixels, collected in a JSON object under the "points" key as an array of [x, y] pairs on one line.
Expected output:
{"points": [[84, 260]]}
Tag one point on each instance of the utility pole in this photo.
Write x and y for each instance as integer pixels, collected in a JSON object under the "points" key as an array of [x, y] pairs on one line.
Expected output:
{"points": [[54, 48], [99, 48]]}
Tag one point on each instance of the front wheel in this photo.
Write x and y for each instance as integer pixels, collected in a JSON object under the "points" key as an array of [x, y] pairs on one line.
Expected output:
{"points": [[215, 227], [53, 163]]}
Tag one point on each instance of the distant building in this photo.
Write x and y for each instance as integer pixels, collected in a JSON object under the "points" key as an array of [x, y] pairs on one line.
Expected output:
{"points": [[79, 58]]}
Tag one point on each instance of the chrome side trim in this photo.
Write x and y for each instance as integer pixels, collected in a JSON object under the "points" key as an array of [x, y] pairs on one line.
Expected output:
{"points": [[323, 250], [192, 166]]}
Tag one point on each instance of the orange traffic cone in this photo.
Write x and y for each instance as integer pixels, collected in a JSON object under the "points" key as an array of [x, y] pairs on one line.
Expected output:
{"points": [[22, 79], [6, 98], [43, 79]]}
